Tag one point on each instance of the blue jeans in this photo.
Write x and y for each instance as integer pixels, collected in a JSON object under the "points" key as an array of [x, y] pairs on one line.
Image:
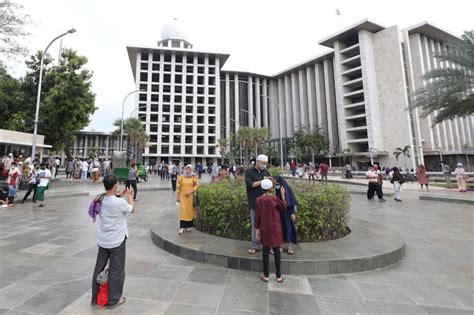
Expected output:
{"points": [[84, 175], [255, 241]]}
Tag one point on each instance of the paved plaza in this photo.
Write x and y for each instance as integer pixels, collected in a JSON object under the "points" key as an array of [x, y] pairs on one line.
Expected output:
{"points": [[47, 256]]}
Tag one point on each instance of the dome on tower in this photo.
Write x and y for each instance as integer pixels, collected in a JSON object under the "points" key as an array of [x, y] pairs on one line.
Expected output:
{"points": [[173, 30]]}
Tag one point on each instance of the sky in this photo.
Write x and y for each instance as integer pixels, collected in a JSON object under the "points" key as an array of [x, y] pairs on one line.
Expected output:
{"points": [[261, 36]]}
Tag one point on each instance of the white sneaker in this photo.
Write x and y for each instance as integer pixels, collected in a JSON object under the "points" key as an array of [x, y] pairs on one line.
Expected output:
{"points": [[181, 231]]}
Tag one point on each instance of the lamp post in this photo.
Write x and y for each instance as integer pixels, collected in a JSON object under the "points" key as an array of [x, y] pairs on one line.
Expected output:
{"points": [[279, 122], [371, 151], [441, 157], [121, 122], [38, 99], [254, 118]]}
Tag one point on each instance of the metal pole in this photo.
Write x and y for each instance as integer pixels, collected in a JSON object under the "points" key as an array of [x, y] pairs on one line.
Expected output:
{"points": [[38, 98], [280, 131], [121, 122]]}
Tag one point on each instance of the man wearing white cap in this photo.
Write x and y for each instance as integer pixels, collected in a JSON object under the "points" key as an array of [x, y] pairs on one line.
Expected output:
{"points": [[461, 177], [253, 179]]}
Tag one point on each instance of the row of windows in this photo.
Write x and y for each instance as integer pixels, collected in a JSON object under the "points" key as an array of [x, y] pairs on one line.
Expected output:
{"points": [[177, 150], [177, 68], [177, 99], [178, 58], [178, 119], [178, 78], [178, 89], [211, 110], [177, 139], [187, 129]]}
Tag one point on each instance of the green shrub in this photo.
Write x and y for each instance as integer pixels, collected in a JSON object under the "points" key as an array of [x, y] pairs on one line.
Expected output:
{"points": [[323, 210]]}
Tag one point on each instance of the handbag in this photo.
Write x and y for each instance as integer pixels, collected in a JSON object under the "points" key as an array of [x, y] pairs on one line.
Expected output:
{"points": [[103, 277]]}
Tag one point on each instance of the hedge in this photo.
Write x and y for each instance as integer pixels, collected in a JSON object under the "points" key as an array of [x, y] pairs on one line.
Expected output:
{"points": [[323, 210]]}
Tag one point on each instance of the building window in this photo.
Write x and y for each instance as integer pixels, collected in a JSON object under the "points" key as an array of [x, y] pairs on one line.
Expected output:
{"points": [[200, 119], [167, 57], [143, 76], [177, 99], [165, 139], [167, 88], [189, 69], [188, 150], [189, 109], [175, 44], [179, 59], [178, 68], [178, 89], [167, 68], [155, 77], [155, 88], [189, 139], [211, 150], [144, 55], [152, 149], [200, 150], [155, 67], [189, 129], [167, 78], [177, 149], [189, 79], [177, 109], [153, 128], [189, 99], [189, 90], [144, 66], [142, 97], [154, 97], [143, 87], [156, 57], [201, 60], [165, 128], [189, 119], [154, 108], [165, 149], [178, 79]]}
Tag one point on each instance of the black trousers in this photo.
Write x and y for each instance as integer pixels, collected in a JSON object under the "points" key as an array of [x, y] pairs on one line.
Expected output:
{"points": [[374, 188], [132, 183], [116, 272], [31, 187], [311, 176], [266, 261], [186, 224], [173, 182]]}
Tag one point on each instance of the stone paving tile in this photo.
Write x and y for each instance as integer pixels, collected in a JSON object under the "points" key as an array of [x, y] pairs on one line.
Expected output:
{"points": [[374, 276], [180, 309], [464, 296], [433, 310], [383, 292], [202, 294], [251, 299], [16, 294], [389, 308], [432, 296], [136, 305], [285, 303], [167, 272], [50, 301], [333, 287], [82, 306], [210, 276], [330, 306], [153, 289], [18, 272], [292, 284]]}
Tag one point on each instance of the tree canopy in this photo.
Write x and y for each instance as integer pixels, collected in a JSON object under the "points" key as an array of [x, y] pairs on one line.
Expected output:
{"points": [[450, 90]]}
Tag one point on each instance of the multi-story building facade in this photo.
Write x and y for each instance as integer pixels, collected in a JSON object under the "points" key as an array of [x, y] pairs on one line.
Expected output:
{"points": [[359, 93], [89, 143]]}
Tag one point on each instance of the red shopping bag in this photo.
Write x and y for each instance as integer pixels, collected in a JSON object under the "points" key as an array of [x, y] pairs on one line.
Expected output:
{"points": [[103, 296]]}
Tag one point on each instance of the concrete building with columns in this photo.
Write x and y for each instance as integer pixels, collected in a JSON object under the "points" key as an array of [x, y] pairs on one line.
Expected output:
{"points": [[358, 93]]}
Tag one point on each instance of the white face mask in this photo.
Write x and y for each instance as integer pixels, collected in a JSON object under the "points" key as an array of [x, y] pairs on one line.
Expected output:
{"points": [[263, 166]]}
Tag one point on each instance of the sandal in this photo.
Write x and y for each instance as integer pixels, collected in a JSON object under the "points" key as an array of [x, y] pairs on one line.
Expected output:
{"points": [[271, 252], [181, 231], [121, 301], [290, 251], [263, 278], [281, 279], [252, 251]]}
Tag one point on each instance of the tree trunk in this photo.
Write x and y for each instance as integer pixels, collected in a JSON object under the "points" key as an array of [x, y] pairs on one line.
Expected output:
{"points": [[67, 149]]}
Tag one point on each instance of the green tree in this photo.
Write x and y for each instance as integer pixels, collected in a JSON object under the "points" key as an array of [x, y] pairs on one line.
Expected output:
{"points": [[13, 25], [450, 91], [67, 99], [405, 151], [308, 144], [222, 147], [10, 98], [136, 135], [18, 122]]}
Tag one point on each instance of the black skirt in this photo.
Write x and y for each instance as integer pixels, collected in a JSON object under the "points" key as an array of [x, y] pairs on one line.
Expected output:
{"points": [[186, 224]]}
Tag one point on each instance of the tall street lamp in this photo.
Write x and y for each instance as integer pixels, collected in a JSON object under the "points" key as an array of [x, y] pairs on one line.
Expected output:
{"points": [[121, 122], [371, 152], [38, 99], [279, 122], [254, 118]]}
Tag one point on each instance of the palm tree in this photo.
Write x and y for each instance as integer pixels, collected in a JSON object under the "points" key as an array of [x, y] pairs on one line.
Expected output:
{"points": [[222, 147], [405, 151], [137, 137], [450, 92]]}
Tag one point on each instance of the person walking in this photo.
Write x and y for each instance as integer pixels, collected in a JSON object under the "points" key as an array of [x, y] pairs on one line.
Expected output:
{"points": [[421, 176], [447, 173], [132, 179], [373, 177], [14, 175], [288, 218], [187, 186], [323, 170], [85, 169], [215, 171], [461, 177], [311, 171], [112, 235], [300, 171], [33, 181], [253, 180], [348, 171], [293, 168], [268, 227], [174, 172], [77, 168], [397, 181], [106, 166], [44, 175], [95, 171], [70, 166]]}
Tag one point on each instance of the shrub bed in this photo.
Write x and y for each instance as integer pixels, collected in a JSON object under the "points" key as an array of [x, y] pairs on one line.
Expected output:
{"points": [[323, 210]]}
